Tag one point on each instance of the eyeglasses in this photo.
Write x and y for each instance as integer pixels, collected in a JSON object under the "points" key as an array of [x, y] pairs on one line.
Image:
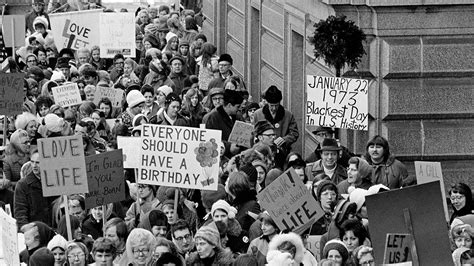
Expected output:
{"points": [[367, 263], [327, 193], [76, 256], [224, 65], [217, 98], [181, 238], [31, 61], [142, 186], [141, 251], [453, 198]]}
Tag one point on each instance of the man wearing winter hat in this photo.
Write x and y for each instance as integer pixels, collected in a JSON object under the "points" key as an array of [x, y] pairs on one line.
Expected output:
{"points": [[64, 67], [135, 101], [330, 152], [38, 10], [177, 74], [286, 129], [225, 62], [223, 118]]}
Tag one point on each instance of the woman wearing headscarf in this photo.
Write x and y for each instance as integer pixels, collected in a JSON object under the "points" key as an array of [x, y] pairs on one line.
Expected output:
{"points": [[37, 235], [359, 175], [171, 115], [17, 154], [209, 249]]}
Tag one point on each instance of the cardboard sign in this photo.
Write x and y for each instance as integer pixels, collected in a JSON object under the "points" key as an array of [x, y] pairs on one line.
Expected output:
{"points": [[242, 134], [117, 34], [114, 95], [67, 95], [290, 203], [386, 215], [62, 164], [129, 146], [9, 242], [76, 30], [313, 244], [179, 157], [337, 102], [428, 172], [397, 248], [11, 93], [14, 30], [105, 178]]}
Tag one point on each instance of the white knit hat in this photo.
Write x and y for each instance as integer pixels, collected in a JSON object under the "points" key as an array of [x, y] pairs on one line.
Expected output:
{"points": [[225, 206], [165, 90], [54, 123], [58, 241], [57, 75], [135, 98]]}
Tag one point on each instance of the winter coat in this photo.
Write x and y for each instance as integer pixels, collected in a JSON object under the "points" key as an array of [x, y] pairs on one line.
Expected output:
{"points": [[222, 257], [180, 120], [178, 80], [284, 123], [238, 241], [274, 256], [259, 248], [392, 174], [246, 202], [29, 203], [220, 120], [157, 80], [12, 166], [206, 73], [343, 187], [346, 154], [316, 168], [30, 17], [145, 207]]}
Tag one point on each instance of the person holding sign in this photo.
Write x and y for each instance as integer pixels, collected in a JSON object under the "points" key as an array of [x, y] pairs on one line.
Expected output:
{"points": [[387, 171], [147, 201]]}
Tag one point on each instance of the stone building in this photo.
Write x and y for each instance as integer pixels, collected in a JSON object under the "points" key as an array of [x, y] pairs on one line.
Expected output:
{"points": [[419, 61]]}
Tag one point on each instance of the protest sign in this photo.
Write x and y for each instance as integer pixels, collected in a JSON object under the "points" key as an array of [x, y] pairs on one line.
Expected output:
{"points": [[241, 134], [14, 30], [62, 164], [428, 172], [313, 244], [114, 95], [105, 178], [337, 102], [67, 95], [11, 93], [386, 213], [397, 248], [9, 243], [179, 157], [113, 122], [76, 30], [117, 34], [290, 203], [129, 146]]}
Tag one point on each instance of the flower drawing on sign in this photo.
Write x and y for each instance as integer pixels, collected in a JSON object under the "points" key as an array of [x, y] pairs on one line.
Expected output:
{"points": [[207, 155]]}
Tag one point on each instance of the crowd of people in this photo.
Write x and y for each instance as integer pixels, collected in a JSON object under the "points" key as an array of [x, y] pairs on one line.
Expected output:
{"points": [[178, 79]]}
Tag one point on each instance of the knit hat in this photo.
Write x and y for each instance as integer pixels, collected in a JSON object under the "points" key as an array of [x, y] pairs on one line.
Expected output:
{"points": [[19, 136], [262, 126], [24, 119], [58, 76], [58, 241], [150, 29], [183, 43], [38, 2], [357, 196], [177, 57], [260, 163], [225, 58], [166, 90], [325, 185], [215, 91], [54, 123], [337, 245], [265, 216], [209, 234], [342, 208], [135, 98], [209, 197], [201, 36], [36, 70], [169, 36], [250, 171], [330, 144], [273, 95], [41, 20], [272, 175], [225, 206], [41, 257], [252, 105], [152, 40], [63, 62], [162, 24]]}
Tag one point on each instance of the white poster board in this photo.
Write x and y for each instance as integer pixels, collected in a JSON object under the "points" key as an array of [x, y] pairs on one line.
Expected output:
{"points": [[117, 34], [337, 102], [76, 30], [67, 95], [129, 146], [9, 243], [114, 95], [179, 157]]}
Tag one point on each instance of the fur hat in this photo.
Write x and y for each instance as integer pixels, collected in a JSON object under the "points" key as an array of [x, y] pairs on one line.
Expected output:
{"points": [[24, 119], [209, 197], [166, 90], [273, 95], [225, 58], [293, 239], [337, 245], [19, 136], [277, 258], [135, 98], [58, 241], [209, 234], [262, 126], [41, 20], [225, 206], [177, 57], [250, 171], [41, 257], [330, 144]]}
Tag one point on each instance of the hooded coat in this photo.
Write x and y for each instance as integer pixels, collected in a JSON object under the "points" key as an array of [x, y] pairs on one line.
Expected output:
{"points": [[222, 257], [246, 202], [392, 173], [276, 257]]}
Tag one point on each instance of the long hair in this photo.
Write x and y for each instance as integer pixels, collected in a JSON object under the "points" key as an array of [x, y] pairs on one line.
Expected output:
{"points": [[378, 140], [207, 51]]}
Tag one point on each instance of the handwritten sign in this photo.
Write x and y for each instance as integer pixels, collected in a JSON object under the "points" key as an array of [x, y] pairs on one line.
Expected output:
{"points": [[63, 168], [397, 248], [76, 30], [313, 244], [290, 203], [117, 34], [179, 157], [67, 95], [337, 102], [129, 146], [105, 178], [114, 95], [241, 134], [428, 172], [9, 243], [11, 93]]}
